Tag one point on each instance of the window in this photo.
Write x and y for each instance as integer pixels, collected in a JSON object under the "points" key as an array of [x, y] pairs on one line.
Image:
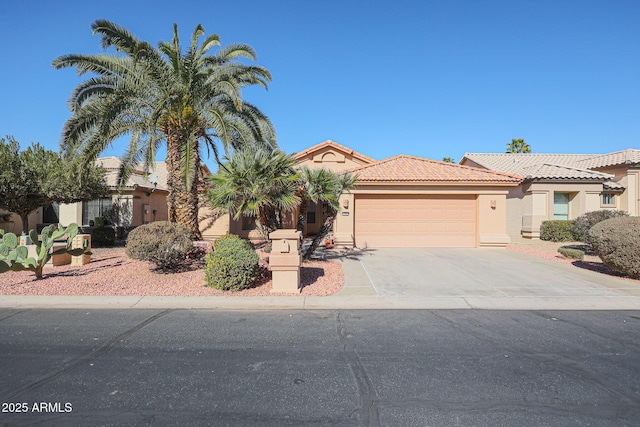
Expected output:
{"points": [[607, 199], [248, 223], [311, 213], [98, 207], [560, 205], [51, 214]]}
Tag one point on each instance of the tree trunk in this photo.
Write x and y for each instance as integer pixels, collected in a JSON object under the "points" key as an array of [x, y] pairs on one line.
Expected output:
{"points": [[25, 223], [182, 203], [302, 214], [324, 230]]}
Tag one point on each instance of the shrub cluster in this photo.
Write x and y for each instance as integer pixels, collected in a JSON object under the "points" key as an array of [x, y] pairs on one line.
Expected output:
{"points": [[581, 225], [233, 265], [571, 253], [617, 243], [166, 244], [103, 236], [556, 231]]}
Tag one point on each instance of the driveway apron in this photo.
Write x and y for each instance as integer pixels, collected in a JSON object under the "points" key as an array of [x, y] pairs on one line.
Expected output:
{"points": [[481, 272]]}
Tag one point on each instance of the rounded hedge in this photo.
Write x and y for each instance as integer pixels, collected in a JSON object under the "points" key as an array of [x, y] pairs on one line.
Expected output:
{"points": [[232, 266], [581, 225], [558, 230], [166, 244], [617, 243], [103, 236], [232, 241]]}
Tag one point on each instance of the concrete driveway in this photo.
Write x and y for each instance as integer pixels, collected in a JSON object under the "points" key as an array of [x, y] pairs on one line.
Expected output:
{"points": [[473, 273]]}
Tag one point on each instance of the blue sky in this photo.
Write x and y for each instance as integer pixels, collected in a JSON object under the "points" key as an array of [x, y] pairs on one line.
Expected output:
{"points": [[426, 78]]}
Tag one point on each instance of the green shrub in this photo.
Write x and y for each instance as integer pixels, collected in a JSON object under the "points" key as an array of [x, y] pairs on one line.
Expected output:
{"points": [[617, 243], [556, 231], [231, 268], [163, 243], [571, 253], [103, 236], [581, 225], [233, 241]]}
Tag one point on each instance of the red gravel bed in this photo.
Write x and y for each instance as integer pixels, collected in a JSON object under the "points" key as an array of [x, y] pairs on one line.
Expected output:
{"points": [[592, 263], [111, 272]]}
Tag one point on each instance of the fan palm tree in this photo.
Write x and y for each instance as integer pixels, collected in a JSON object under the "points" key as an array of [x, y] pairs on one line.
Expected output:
{"points": [[185, 99], [324, 186], [518, 146], [258, 183]]}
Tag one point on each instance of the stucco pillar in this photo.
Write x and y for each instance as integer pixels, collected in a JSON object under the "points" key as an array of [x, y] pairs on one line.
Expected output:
{"points": [[285, 260], [344, 224], [536, 211], [492, 220]]}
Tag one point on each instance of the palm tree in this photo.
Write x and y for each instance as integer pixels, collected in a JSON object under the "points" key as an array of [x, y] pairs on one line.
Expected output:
{"points": [[518, 146], [448, 160], [185, 99], [314, 185], [258, 183], [326, 187]]}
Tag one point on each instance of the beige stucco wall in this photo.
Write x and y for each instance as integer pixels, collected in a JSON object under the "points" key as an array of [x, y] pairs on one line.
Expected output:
{"points": [[629, 199], [491, 209], [329, 158]]}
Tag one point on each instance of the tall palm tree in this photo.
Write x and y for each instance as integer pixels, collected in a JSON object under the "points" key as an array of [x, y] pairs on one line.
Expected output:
{"points": [[326, 187], [257, 183], [518, 146], [186, 99]]}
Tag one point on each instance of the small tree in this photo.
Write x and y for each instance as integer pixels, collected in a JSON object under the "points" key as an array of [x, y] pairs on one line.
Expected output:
{"points": [[37, 177], [518, 146], [448, 160]]}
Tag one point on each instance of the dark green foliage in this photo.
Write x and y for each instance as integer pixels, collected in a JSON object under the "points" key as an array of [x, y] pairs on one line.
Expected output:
{"points": [[233, 266], [36, 177], [571, 253], [581, 225], [163, 243], [556, 231], [617, 243], [103, 237], [233, 242]]}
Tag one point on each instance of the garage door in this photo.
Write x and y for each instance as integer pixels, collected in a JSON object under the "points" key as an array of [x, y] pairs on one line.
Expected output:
{"points": [[387, 221]]}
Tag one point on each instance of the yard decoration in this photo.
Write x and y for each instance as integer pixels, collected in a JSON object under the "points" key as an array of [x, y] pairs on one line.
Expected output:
{"points": [[15, 258]]}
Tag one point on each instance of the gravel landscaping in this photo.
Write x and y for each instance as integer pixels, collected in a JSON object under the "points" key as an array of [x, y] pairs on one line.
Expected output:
{"points": [[111, 272], [549, 250]]}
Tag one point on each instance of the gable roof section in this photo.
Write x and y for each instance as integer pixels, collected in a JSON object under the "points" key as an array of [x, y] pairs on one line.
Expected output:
{"points": [[550, 171], [623, 157], [338, 147], [403, 168], [138, 178]]}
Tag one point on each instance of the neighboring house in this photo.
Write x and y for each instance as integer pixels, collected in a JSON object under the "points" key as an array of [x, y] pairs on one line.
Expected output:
{"points": [[143, 199], [404, 201], [564, 186]]}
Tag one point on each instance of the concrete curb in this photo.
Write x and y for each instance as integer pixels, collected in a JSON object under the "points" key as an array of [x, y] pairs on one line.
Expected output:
{"points": [[352, 302]]}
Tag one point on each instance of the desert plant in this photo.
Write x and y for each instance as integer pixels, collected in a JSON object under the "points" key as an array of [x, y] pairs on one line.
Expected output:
{"points": [[571, 253], [232, 268], [15, 258], [556, 231], [103, 236], [581, 225], [232, 241], [617, 243], [165, 244]]}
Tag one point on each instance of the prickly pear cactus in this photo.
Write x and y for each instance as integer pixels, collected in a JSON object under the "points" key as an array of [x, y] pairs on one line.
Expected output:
{"points": [[15, 258]]}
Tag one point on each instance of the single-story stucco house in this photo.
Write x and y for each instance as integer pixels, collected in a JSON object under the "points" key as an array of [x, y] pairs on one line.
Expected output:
{"points": [[403, 201], [563, 186], [142, 200]]}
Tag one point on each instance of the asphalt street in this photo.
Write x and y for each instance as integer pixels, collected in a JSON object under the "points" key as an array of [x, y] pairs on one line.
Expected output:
{"points": [[326, 367]]}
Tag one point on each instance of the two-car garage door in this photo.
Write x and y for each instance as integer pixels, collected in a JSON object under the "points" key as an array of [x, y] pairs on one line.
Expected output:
{"points": [[387, 221]]}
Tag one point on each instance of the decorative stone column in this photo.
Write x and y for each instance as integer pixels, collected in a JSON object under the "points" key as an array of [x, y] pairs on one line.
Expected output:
{"points": [[285, 260], [79, 242]]}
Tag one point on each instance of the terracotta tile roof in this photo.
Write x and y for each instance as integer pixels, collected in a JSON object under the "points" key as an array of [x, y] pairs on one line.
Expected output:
{"points": [[550, 171], [624, 157], [516, 162], [403, 168], [614, 186], [339, 147]]}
